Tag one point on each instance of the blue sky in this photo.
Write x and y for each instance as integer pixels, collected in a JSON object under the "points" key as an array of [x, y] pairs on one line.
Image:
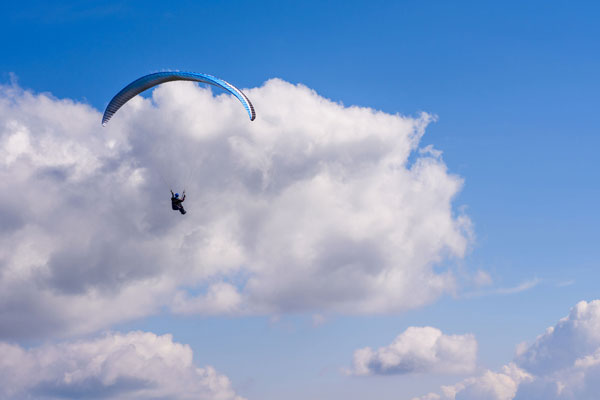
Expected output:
{"points": [[514, 87]]}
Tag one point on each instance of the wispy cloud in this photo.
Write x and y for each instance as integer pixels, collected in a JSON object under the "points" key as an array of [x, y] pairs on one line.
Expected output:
{"points": [[566, 283], [521, 287], [530, 284]]}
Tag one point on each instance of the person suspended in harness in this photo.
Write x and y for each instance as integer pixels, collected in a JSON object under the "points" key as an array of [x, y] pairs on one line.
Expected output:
{"points": [[176, 202]]}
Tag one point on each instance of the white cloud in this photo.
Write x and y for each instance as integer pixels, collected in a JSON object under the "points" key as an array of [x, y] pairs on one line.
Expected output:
{"points": [[573, 337], [312, 207], [136, 365], [419, 349], [490, 385], [563, 363]]}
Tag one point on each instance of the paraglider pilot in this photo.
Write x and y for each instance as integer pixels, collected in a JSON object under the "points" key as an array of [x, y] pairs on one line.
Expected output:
{"points": [[176, 202]]}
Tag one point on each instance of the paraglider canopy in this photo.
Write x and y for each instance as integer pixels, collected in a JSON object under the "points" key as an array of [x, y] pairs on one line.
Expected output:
{"points": [[146, 82]]}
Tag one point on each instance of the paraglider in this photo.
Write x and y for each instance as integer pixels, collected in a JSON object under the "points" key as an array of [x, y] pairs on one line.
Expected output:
{"points": [[176, 202], [146, 82], [149, 81]]}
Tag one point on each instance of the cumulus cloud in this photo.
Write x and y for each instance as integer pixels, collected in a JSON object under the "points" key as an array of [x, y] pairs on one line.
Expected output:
{"points": [[419, 349], [313, 207], [136, 365], [572, 338], [563, 363]]}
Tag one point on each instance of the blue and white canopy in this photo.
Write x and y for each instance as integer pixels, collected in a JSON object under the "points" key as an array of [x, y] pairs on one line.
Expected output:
{"points": [[146, 82]]}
